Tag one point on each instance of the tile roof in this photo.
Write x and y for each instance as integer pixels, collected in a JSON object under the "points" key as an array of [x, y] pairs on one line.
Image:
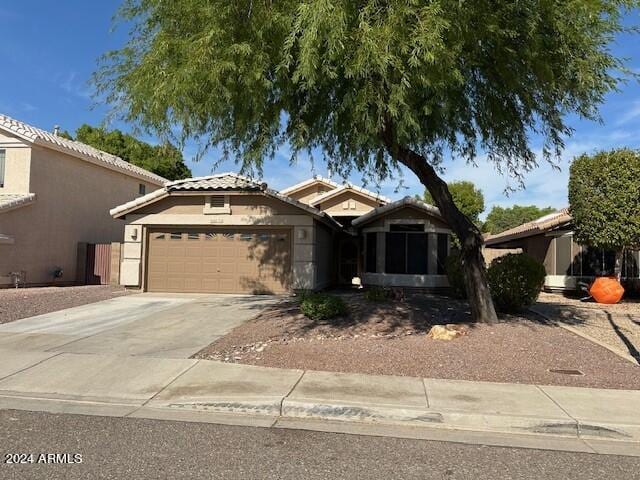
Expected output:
{"points": [[216, 183], [389, 207], [306, 183], [221, 181], [77, 149], [343, 188], [9, 201], [535, 227]]}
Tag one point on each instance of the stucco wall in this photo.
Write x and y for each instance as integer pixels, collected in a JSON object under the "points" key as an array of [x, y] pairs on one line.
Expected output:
{"points": [[245, 210], [312, 191], [348, 203], [73, 198], [17, 165]]}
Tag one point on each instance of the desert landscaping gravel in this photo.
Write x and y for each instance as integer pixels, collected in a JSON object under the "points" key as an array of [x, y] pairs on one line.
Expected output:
{"points": [[618, 326], [391, 339], [16, 303]]}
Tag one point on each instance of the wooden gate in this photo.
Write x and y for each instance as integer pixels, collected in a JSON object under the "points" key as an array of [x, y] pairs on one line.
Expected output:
{"points": [[98, 269]]}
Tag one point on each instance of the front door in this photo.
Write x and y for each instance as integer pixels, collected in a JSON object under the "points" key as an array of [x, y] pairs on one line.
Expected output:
{"points": [[348, 266]]}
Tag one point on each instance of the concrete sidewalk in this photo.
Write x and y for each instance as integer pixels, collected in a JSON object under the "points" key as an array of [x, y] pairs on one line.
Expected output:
{"points": [[577, 419]]}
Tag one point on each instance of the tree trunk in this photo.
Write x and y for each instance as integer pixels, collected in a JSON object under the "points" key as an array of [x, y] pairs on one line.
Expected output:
{"points": [[473, 265]]}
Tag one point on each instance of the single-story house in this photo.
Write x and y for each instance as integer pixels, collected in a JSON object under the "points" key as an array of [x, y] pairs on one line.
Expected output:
{"points": [[55, 194], [227, 233], [550, 239]]}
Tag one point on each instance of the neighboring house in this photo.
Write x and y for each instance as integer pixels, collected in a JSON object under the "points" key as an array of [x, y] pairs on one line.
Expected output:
{"points": [[230, 234], [54, 194], [549, 239]]}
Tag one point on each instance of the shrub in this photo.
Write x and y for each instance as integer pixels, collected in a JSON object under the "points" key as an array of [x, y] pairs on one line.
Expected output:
{"points": [[515, 281], [320, 306], [376, 294], [453, 268]]}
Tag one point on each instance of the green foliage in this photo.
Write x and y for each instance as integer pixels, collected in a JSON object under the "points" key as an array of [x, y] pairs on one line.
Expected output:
{"points": [[164, 160], [604, 198], [376, 294], [455, 275], [500, 219], [321, 306], [466, 197], [515, 281], [438, 76]]}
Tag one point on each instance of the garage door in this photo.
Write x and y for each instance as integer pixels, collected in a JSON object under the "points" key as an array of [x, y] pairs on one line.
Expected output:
{"points": [[219, 261]]}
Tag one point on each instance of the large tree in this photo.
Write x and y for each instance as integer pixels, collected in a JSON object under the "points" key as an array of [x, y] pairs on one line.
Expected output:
{"points": [[371, 83], [604, 199], [164, 160], [500, 219], [466, 196]]}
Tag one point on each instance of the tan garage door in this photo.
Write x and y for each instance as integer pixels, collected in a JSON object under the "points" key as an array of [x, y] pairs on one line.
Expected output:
{"points": [[219, 261]]}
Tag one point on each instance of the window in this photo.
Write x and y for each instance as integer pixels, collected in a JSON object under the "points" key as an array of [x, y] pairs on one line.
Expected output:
{"points": [[564, 257], [410, 227], [443, 252], [142, 188], [371, 249], [176, 236], [193, 236], [2, 167], [158, 236], [406, 252]]}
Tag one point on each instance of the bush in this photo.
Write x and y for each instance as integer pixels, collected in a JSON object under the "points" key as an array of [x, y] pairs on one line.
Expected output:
{"points": [[515, 281], [376, 294], [453, 268], [320, 306]]}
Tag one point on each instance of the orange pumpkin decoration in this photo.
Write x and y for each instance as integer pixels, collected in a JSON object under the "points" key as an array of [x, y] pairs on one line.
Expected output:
{"points": [[606, 290]]}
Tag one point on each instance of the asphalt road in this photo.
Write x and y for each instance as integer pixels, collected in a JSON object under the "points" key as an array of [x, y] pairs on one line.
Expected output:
{"points": [[139, 448]]}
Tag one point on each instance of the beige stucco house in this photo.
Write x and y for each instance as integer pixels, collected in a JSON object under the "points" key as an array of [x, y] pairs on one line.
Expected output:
{"points": [[550, 240], [54, 194], [227, 233]]}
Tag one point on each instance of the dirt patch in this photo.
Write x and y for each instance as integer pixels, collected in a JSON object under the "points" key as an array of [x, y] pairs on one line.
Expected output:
{"points": [[391, 339], [16, 303]]}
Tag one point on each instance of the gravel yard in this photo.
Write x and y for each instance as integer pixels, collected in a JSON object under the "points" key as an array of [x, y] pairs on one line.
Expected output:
{"points": [[390, 338], [16, 303], [617, 326]]}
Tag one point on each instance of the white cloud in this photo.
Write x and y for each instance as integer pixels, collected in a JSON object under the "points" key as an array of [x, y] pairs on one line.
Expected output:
{"points": [[630, 113]]}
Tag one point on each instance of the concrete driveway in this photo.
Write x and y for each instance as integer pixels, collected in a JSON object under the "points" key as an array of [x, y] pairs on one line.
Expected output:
{"points": [[154, 325]]}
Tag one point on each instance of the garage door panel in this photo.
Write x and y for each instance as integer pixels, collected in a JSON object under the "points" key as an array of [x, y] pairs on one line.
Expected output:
{"points": [[219, 261]]}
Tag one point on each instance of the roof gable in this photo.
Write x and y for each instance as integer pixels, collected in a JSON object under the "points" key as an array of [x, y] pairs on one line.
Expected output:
{"points": [[359, 191], [535, 227], [309, 182], [222, 182], [46, 139], [397, 205]]}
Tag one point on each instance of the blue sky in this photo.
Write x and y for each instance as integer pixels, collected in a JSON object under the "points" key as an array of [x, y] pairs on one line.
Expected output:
{"points": [[49, 50]]}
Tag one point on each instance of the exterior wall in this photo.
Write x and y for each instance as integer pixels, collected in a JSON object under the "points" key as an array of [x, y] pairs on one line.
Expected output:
{"points": [[310, 192], [349, 203], [73, 198], [543, 247], [245, 210], [380, 226], [17, 165]]}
